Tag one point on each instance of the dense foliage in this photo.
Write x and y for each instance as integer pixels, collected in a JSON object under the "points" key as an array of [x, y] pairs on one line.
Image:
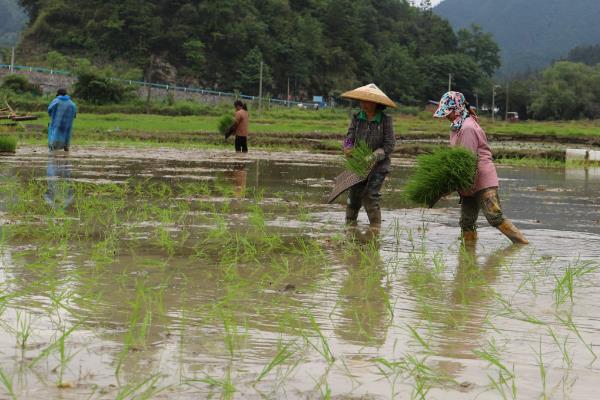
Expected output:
{"points": [[19, 84], [97, 89], [563, 91], [531, 33], [317, 46]]}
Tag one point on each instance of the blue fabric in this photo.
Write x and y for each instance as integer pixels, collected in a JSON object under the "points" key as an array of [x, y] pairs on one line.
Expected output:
{"points": [[60, 193], [62, 112]]}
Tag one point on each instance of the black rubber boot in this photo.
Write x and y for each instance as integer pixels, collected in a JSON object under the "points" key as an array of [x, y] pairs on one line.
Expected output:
{"points": [[351, 215], [374, 214]]}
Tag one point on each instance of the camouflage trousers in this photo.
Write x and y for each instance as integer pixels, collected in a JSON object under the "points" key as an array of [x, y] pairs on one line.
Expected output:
{"points": [[485, 200], [366, 194]]}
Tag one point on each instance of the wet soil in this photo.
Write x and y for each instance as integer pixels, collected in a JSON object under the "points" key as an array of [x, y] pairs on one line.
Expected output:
{"points": [[344, 314]]}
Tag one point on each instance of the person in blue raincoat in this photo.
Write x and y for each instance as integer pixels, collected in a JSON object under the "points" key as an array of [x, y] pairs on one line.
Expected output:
{"points": [[62, 111]]}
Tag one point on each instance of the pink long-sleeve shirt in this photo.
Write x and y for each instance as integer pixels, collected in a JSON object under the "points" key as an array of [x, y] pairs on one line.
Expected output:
{"points": [[472, 137]]}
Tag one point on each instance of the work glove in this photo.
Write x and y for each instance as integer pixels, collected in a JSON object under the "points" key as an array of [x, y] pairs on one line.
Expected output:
{"points": [[379, 155]]}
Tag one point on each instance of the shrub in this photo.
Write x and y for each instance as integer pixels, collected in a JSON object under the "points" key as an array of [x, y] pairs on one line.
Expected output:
{"points": [[8, 144], [408, 110], [444, 171], [99, 90], [425, 115], [187, 108], [20, 84]]}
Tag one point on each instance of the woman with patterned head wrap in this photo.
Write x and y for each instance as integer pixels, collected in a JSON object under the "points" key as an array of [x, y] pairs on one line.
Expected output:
{"points": [[483, 196]]}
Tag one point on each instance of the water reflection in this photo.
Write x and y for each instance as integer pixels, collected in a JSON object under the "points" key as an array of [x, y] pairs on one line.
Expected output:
{"points": [[240, 176], [58, 172], [364, 294], [471, 293]]}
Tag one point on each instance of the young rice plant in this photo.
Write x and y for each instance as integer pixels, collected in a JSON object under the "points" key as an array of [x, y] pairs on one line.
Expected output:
{"points": [[444, 171], [360, 161]]}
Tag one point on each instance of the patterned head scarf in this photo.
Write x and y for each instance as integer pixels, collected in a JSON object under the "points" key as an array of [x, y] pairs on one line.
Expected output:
{"points": [[453, 101]]}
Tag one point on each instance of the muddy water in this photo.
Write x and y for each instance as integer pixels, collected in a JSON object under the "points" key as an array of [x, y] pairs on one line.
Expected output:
{"points": [[410, 315]]}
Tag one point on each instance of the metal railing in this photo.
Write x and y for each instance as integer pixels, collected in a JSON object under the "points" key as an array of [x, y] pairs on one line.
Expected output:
{"points": [[183, 89]]}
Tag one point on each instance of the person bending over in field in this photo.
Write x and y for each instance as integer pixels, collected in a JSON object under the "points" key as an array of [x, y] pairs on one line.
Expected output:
{"points": [[483, 195], [62, 112], [240, 126]]}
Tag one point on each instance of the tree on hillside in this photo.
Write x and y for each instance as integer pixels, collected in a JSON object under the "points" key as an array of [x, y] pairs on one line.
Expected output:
{"points": [[248, 78], [435, 70], [399, 74], [481, 47], [318, 46], [568, 91]]}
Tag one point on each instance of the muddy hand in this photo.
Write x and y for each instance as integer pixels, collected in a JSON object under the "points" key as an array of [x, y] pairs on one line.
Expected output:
{"points": [[379, 155]]}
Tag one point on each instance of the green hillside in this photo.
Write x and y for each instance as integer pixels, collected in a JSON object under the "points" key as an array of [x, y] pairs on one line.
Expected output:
{"points": [[531, 33], [315, 46]]}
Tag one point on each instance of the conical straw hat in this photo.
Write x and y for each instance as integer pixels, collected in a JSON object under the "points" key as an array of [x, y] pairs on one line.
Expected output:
{"points": [[370, 93]]}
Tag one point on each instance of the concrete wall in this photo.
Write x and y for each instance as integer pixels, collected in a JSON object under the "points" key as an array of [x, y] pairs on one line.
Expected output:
{"points": [[50, 83]]}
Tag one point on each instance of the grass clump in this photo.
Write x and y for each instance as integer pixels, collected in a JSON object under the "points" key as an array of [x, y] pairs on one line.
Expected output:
{"points": [[8, 144], [444, 171], [225, 125], [360, 160]]}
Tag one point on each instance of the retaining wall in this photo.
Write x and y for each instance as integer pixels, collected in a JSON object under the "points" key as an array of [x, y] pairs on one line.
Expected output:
{"points": [[50, 80]]}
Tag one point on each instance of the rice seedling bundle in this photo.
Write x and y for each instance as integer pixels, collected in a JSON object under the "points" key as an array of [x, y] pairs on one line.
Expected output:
{"points": [[8, 144], [444, 171], [225, 124], [360, 161]]}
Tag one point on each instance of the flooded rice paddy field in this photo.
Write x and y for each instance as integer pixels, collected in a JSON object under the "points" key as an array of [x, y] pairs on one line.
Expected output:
{"points": [[185, 275]]}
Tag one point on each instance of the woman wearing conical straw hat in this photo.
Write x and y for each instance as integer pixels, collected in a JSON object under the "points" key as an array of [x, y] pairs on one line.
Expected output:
{"points": [[483, 195], [373, 127]]}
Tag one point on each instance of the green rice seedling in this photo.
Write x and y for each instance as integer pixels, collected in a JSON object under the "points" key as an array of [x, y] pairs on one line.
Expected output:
{"points": [[565, 285], [506, 378], [444, 171], [505, 386], [225, 123], [165, 241], [570, 325], [542, 368], [324, 350], [424, 377], [491, 356], [415, 334], [562, 346], [226, 384], [7, 383], [360, 160], [64, 358], [56, 344], [282, 355], [8, 144], [24, 330], [325, 392], [391, 370], [146, 389], [139, 323]]}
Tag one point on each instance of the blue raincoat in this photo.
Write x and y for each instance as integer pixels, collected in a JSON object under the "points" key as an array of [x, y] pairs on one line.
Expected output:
{"points": [[62, 112]]}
